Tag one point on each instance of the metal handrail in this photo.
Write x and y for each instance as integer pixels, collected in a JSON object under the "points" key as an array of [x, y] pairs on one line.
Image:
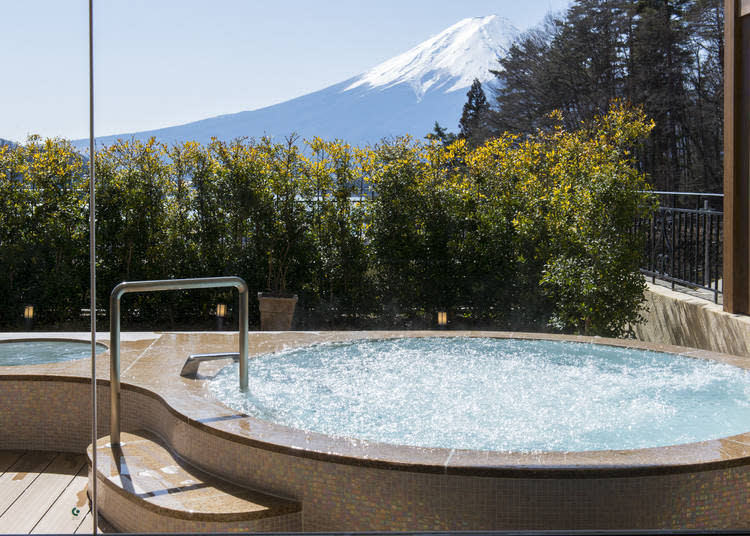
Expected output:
{"points": [[692, 194], [166, 284]]}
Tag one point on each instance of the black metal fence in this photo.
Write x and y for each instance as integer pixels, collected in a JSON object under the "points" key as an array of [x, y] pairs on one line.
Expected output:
{"points": [[684, 240]]}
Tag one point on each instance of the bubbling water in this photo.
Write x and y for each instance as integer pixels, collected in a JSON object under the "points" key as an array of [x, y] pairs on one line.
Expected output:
{"points": [[44, 351], [494, 394]]}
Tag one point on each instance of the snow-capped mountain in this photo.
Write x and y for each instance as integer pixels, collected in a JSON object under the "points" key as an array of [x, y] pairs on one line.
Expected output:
{"points": [[404, 95], [447, 62]]}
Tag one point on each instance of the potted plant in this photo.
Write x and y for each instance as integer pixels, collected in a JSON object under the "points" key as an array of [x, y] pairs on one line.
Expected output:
{"points": [[285, 228], [276, 304]]}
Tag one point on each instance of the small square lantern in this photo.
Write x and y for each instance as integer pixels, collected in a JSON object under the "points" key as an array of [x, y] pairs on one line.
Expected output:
{"points": [[28, 316], [442, 319], [221, 312]]}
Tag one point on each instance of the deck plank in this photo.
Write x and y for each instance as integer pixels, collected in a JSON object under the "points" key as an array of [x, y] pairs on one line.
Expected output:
{"points": [[8, 458], [31, 505], [60, 517], [21, 474], [86, 526]]}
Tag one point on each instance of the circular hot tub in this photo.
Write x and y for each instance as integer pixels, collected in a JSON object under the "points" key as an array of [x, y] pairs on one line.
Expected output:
{"points": [[426, 431], [40, 351], [492, 431]]}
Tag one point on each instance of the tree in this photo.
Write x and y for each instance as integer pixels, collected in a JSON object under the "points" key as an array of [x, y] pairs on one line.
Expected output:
{"points": [[43, 230], [572, 197], [523, 99], [474, 123], [659, 63], [664, 55], [440, 134], [574, 64], [705, 91]]}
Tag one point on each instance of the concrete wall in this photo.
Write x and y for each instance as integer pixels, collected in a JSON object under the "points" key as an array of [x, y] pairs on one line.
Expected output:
{"points": [[684, 320]]}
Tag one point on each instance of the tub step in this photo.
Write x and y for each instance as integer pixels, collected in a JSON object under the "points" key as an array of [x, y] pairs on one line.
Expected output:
{"points": [[143, 487]]}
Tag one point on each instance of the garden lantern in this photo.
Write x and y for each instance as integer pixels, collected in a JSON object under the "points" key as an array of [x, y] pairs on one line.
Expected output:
{"points": [[442, 319], [221, 312], [28, 316]]}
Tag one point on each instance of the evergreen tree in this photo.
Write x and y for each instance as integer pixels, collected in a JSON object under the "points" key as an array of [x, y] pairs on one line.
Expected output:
{"points": [[705, 92], [664, 55], [574, 64], [440, 134], [660, 61], [474, 123], [526, 93]]}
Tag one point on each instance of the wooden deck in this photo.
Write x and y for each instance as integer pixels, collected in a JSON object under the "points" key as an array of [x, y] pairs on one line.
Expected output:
{"points": [[44, 492]]}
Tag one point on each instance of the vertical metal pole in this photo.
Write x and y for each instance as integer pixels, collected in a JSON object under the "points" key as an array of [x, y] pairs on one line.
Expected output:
{"points": [[696, 225], [652, 239], [114, 368], [92, 270], [242, 328], [718, 267], [674, 246], [706, 245]]}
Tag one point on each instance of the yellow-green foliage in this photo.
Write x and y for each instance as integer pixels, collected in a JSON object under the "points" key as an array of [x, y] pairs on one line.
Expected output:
{"points": [[573, 198], [532, 233], [43, 241]]}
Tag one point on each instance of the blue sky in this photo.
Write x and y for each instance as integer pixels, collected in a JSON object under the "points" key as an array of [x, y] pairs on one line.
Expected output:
{"points": [[167, 62]]}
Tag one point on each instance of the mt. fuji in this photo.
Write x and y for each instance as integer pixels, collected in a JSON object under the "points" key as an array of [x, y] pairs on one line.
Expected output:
{"points": [[404, 95]]}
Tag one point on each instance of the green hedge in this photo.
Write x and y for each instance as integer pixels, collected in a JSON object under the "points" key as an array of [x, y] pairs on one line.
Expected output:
{"points": [[532, 233]]}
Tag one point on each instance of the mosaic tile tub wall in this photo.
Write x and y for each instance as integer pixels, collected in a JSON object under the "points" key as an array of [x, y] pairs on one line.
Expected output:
{"points": [[53, 414]]}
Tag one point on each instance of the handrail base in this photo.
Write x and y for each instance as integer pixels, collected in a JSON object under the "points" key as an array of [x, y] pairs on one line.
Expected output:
{"points": [[190, 368]]}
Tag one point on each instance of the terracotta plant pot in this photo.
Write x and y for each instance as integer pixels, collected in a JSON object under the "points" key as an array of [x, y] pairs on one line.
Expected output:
{"points": [[276, 313]]}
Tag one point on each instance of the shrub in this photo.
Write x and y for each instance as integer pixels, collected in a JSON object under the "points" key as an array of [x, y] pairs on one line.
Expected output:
{"points": [[576, 196], [533, 233], [43, 237]]}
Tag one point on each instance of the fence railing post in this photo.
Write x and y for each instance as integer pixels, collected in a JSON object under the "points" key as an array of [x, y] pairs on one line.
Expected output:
{"points": [[706, 244]]}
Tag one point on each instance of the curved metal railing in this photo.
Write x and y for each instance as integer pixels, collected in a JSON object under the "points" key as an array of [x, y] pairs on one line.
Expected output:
{"points": [[152, 286]]}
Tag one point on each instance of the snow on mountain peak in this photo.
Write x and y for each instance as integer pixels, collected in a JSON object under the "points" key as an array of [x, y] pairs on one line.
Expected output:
{"points": [[449, 61]]}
